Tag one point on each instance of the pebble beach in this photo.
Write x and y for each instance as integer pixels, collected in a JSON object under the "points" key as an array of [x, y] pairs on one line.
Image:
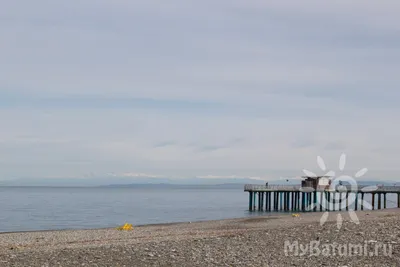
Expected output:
{"points": [[254, 241]]}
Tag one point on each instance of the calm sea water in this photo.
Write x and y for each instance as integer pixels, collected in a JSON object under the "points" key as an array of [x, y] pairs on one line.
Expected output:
{"points": [[45, 208]]}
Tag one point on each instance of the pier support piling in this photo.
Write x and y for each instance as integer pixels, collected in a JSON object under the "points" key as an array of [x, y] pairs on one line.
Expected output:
{"points": [[250, 201], [328, 198], [269, 201], [307, 201], [384, 200], [373, 201], [277, 201], [293, 201], [286, 201], [321, 199], [398, 200], [262, 200], [356, 202], [291, 198], [315, 201], [362, 201], [298, 201], [334, 201], [379, 201]]}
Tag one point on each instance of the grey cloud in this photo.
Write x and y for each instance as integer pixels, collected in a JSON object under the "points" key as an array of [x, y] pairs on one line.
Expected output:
{"points": [[304, 142], [165, 143], [335, 146], [261, 74], [385, 151], [236, 142], [211, 148]]}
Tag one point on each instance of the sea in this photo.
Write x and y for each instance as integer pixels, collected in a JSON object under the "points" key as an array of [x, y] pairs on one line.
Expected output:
{"points": [[51, 208], [57, 208]]}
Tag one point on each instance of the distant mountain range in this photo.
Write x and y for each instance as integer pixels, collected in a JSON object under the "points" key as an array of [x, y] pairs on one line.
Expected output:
{"points": [[125, 181], [148, 182]]}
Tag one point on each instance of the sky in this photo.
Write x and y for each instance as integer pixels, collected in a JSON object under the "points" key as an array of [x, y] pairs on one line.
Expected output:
{"points": [[227, 88]]}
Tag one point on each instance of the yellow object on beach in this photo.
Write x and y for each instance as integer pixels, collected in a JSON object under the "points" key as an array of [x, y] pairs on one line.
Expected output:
{"points": [[295, 215], [126, 226]]}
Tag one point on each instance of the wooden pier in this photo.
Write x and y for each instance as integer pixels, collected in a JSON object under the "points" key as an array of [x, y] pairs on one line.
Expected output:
{"points": [[296, 198]]}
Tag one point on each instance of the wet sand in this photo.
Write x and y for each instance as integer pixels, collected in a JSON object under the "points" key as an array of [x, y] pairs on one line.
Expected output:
{"points": [[254, 241]]}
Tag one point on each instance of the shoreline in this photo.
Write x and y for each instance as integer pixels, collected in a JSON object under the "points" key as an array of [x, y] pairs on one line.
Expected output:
{"points": [[227, 241], [261, 214], [273, 215]]}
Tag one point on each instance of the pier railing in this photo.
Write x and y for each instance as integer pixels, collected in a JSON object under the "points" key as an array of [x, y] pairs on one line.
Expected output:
{"points": [[348, 188], [253, 187]]}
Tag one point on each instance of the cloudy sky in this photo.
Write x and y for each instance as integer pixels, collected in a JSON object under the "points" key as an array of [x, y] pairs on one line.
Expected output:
{"points": [[196, 88]]}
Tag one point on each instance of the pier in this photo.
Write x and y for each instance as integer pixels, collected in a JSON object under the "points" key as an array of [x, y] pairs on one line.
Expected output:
{"points": [[318, 198]]}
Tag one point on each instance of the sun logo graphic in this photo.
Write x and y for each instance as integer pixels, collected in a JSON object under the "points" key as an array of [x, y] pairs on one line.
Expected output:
{"points": [[344, 189]]}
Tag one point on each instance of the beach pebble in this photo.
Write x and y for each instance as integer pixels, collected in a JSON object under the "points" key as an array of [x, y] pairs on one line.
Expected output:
{"points": [[237, 242]]}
